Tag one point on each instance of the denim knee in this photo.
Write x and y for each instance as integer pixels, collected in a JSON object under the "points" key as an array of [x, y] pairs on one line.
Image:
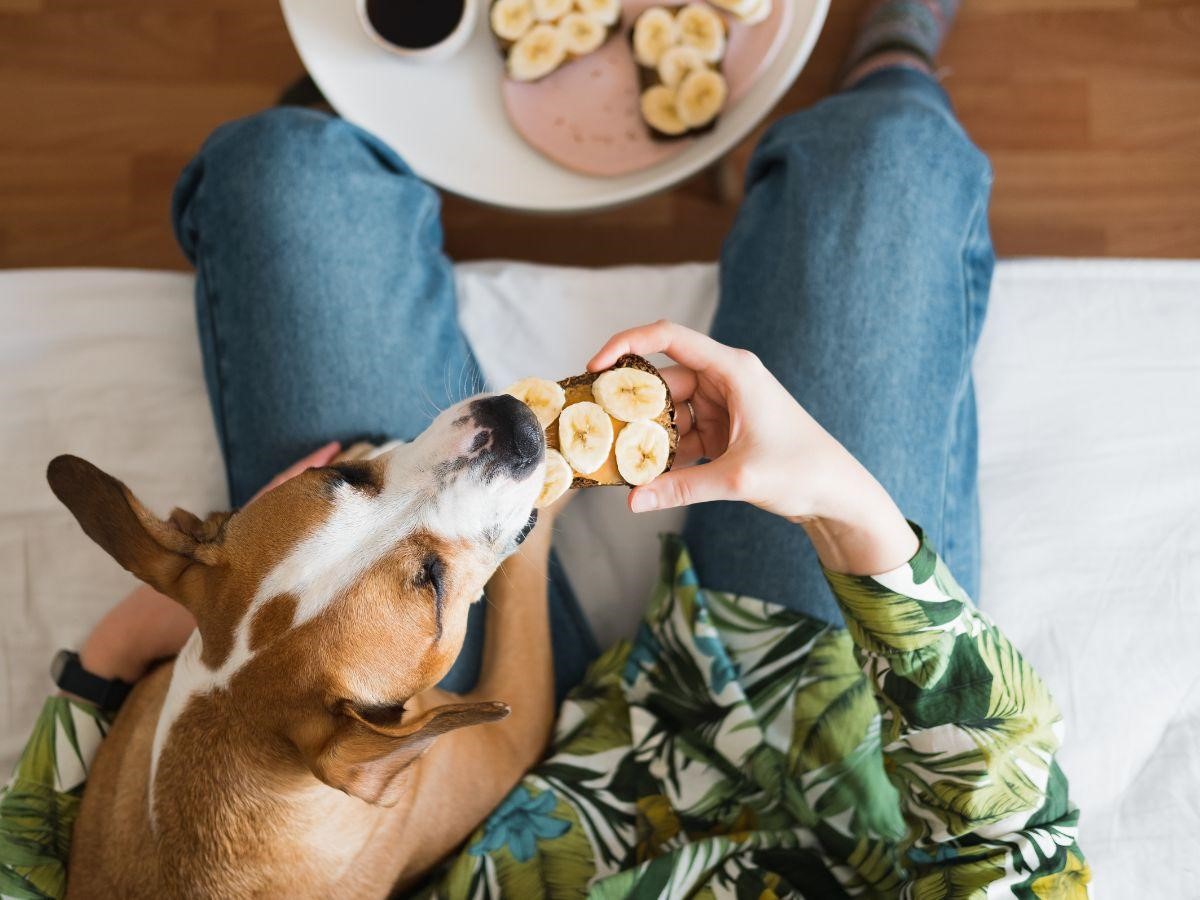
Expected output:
{"points": [[894, 140], [274, 170]]}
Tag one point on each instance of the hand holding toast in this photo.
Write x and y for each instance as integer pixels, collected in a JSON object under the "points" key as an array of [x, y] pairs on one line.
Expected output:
{"points": [[762, 448]]}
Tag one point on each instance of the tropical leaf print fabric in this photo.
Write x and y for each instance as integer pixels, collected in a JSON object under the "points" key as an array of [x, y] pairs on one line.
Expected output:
{"points": [[39, 804], [734, 749], [737, 749]]}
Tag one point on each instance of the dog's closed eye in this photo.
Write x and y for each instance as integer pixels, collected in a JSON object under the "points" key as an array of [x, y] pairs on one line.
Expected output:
{"points": [[380, 714], [432, 575]]}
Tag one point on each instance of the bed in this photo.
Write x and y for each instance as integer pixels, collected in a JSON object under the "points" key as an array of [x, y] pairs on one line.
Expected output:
{"points": [[1088, 378]]}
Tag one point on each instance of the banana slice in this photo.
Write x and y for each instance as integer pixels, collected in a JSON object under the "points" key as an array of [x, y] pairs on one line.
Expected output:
{"points": [[538, 53], [581, 33], [511, 18], [700, 97], [556, 481], [550, 10], [739, 8], [642, 451], [585, 436], [630, 395], [545, 398], [658, 109], [677, 62], [703, 29], [654, 33], [758, 13], [606, 12]]}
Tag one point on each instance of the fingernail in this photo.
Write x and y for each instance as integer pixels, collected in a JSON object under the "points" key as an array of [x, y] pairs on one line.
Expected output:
{"points": [[643, 501]]}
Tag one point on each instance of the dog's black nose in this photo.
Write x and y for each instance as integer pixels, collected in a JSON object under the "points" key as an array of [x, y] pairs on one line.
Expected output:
{"points": [[516, 438]]}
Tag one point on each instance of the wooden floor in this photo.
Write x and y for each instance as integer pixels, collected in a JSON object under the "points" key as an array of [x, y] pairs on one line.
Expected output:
{"points": [[1089, 109]]}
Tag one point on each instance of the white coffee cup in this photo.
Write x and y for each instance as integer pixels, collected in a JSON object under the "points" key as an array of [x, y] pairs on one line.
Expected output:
{"points": [[443, 49]]}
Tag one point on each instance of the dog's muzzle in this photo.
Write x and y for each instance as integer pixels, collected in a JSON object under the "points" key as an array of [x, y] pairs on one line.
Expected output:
{"points": [[510, 436]]}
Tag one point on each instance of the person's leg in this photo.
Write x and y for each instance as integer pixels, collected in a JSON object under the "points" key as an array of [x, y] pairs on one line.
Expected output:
{"points": [[858, 270], [905, 33], [326, 306]]}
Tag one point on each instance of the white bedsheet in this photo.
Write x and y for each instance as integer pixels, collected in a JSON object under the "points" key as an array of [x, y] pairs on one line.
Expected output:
{"points": [[1089, 391]]}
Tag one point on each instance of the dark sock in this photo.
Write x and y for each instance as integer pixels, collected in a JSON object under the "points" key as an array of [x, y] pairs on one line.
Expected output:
{"points": [[905, 33]]}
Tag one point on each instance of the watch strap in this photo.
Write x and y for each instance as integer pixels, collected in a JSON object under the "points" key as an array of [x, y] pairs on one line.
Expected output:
{"points": [[70, 675]]}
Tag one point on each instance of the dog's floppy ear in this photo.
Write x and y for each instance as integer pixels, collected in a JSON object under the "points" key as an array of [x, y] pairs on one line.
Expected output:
{"points": [[366, 759], [162, 554]]}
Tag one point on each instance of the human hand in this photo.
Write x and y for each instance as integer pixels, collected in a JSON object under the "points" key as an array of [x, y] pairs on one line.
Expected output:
{"points": [[764, 449], [146, 625]]}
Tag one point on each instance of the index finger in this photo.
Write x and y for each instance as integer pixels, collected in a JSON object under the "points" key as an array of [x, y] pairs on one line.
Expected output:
{"points": [[690, 348]]}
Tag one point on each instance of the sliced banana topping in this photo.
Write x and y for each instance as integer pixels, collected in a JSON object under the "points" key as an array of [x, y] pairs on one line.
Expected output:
{"points": [[630, 395], [658, 110], [581, 33], [642, 451], [511, 18], [676, 63], [539, 52], [585, 436], [703, 29], [654, 33], [606, 12], [550, 10], [700, 97], [545, 398], [758, 13], [557, 479], [739, 8], [687, 91]]}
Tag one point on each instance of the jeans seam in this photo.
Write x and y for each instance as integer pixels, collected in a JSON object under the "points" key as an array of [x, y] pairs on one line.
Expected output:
{"points": [[220, 412], [964, 369]]}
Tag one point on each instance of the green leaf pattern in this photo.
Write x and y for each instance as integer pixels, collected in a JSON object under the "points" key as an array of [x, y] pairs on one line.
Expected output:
{"points": [[738, 749], [39, 804]]}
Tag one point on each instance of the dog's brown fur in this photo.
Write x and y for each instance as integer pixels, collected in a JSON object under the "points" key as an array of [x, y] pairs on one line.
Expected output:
{"points": [[283, 783]]}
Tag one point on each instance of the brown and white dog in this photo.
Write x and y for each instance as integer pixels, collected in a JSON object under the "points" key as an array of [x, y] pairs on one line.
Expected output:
{"points": [[290, 748]]}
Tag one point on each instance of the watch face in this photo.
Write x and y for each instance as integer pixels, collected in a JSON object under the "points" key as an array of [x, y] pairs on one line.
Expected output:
{"points": [[59, 664]]}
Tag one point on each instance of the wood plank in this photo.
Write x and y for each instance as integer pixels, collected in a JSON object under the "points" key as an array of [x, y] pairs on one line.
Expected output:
{"points": [[112, 115], [1089, 109], [1145, 113], [1025, 113]]}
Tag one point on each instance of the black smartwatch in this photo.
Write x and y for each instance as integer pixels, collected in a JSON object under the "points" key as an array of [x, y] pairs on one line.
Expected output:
{"points": [[70, 675]]}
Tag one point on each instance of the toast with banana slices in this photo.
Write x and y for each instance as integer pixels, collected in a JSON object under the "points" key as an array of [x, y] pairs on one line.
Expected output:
{"points": [[603, 428], [536, 37], [678, 54]]}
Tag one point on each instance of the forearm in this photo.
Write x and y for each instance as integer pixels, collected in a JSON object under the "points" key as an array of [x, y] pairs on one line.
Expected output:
{"points": [[143, 627], [969, 730], [517, 659]]}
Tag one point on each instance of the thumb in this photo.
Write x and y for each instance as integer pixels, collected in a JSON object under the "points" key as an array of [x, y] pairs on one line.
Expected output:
{"points": [[322, 456], [682, 487]]}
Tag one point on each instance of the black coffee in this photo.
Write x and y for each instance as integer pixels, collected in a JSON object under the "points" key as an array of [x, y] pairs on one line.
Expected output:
{"points": [[414, 24]]}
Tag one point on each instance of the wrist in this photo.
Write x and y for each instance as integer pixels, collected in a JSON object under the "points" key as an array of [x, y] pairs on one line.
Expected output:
{"points": [[858, 529], [106, 661]]}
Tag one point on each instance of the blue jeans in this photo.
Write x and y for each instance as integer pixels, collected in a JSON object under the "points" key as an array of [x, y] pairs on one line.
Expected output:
{"points": [[858, 270]]}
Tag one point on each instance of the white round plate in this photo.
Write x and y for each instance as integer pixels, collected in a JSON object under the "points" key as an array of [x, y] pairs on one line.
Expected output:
{"points": [[447, 119]]}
